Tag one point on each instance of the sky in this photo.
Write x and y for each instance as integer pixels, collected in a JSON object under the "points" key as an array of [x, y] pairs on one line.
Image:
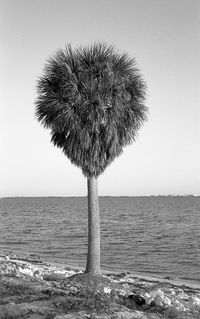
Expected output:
{"points": [[164, 38]]}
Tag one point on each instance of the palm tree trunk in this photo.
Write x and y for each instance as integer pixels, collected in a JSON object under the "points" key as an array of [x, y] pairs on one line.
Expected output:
{"points": [[93, 257]]}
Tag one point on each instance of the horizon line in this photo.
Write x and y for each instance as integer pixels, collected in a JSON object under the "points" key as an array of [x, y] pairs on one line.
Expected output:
{"points": [[74, 196]]}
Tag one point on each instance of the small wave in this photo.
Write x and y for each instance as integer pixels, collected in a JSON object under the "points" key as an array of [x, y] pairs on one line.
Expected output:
{"points": [[13, 243]]}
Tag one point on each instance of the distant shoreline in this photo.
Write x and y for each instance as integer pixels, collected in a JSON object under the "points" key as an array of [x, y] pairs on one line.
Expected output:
{"points": [[110, 196]]}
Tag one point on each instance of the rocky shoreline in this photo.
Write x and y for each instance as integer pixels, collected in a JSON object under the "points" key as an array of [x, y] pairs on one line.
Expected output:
{"points": [[32, 288]]}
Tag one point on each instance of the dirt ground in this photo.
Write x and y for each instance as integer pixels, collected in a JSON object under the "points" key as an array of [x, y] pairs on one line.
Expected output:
{"points": [[40, 291]]}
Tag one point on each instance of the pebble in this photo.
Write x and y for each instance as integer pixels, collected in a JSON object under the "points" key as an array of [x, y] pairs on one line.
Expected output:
{"points": [[107, 290]]}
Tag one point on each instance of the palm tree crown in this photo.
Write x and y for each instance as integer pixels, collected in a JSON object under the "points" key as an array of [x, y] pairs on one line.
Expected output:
{"points": [[92, 99]]}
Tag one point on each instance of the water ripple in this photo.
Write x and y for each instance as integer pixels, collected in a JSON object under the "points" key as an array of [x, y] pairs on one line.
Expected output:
{"points": [[152, 235]]}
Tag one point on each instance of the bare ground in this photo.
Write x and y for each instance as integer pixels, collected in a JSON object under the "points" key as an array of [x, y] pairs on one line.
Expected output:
{"points": [[38, 290]]}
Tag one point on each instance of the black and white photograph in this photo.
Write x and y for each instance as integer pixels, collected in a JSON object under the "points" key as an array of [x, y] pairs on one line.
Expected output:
{"points": [[100, 159]]}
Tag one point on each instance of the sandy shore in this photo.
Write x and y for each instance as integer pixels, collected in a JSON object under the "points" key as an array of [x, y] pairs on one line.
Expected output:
{"points": [[33, 288]]}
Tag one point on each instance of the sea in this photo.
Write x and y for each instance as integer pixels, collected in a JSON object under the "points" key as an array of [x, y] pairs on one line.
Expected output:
{"points": [[147, 236]]}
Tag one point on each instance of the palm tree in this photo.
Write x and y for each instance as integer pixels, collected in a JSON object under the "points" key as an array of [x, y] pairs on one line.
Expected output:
{"points": [[92, 99]]}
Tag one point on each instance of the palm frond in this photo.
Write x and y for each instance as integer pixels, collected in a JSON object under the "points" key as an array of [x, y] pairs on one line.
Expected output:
{"points": [[92, 99]]}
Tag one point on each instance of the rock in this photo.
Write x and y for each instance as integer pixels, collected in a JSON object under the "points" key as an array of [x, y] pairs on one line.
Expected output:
{"points": [[106, 290], [159, 292], [161, 300], [67, 268], [166, 301], [128, 280], [182, 295], [74, 290], [179, 306], [171, 313], [148, 298], [123, 274], [194, 302], [121, 292], [157, 301], [138, 300], [168, 291], [25, 271], [36, 272]]}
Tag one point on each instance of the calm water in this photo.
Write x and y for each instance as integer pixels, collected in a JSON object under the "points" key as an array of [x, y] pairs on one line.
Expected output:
{"points": [[156, 236]]}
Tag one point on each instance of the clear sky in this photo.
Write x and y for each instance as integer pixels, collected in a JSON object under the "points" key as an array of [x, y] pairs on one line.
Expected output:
{"points": [[163, 36]]}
